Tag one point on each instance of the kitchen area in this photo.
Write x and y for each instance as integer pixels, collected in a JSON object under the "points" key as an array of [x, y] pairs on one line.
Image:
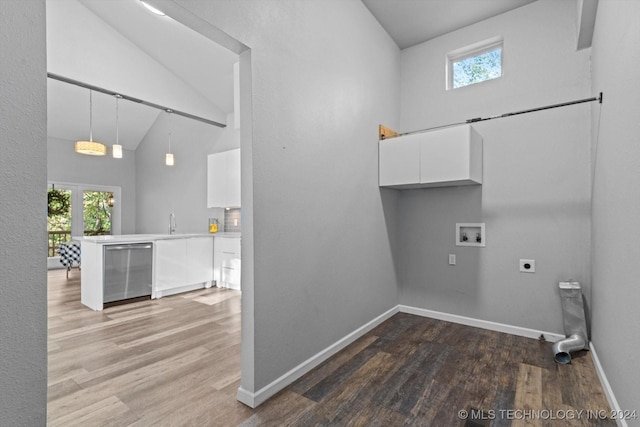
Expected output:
{"points": [[123, 268], [129, 86]]}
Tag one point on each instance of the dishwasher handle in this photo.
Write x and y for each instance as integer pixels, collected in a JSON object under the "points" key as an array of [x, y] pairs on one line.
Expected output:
{"points": [[122, 247]]}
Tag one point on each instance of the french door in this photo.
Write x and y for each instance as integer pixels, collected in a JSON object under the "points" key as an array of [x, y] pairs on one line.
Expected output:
{"points": [[76, 210]]}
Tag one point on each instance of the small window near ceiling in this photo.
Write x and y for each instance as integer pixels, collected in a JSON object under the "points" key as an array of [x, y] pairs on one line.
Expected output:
{"points": [[474, 64]]}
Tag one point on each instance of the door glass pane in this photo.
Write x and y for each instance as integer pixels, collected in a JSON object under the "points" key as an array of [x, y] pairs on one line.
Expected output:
{"points": [[58, 218], [96, 212]]}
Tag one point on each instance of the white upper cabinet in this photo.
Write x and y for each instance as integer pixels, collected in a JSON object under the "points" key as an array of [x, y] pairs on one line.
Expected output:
{"points": [[437, 158], [399, 161], [223, 179]]}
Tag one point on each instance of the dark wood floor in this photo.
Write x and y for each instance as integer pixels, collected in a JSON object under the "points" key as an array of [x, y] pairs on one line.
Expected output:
{"points": [[175, 362]]}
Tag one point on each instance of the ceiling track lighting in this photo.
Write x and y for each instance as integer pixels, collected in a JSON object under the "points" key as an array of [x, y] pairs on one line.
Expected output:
{"points": [[90, 147], [117, 148]]}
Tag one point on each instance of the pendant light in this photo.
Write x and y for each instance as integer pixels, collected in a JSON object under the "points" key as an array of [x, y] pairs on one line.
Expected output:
{"points": [[90, 147], [117, 148], [168, 158]]}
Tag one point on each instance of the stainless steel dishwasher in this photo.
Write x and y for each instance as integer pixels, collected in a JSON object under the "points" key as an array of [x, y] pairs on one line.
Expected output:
{"points": [[127, 271]]}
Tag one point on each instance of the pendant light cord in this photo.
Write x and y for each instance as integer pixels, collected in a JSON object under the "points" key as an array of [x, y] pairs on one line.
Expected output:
{"points": [[90, 115], [169, 111], [117, 130]]}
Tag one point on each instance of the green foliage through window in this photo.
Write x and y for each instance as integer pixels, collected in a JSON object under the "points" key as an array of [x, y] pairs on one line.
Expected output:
{"points": [[478, 68], [59, 208], [97, 212]]}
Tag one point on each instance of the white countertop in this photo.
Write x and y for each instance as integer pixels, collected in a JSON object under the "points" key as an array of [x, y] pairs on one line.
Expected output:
{"points": [[136, 238]]}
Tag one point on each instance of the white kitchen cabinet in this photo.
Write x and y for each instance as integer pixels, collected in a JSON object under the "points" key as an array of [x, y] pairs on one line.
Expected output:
{"points": [[170, 262], [227, 262], [200, 260], [437, 158], [223, 179], [182, 265]]}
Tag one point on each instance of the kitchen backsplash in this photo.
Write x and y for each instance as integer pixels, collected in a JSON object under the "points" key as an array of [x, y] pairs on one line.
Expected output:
{"points": [[232, 221]]}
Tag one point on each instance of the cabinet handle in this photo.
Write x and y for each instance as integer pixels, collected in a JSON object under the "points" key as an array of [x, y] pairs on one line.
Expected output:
{"points": [[231, 253]]}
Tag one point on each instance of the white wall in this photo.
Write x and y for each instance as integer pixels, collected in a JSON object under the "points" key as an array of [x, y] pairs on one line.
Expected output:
{"points": [[324, 75], [65, 165], [536, 191], [616, 198], [182, 188], [23, 232]]}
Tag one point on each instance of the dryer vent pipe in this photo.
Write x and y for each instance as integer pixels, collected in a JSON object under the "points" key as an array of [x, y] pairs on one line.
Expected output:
{"points": [[575, 325]]}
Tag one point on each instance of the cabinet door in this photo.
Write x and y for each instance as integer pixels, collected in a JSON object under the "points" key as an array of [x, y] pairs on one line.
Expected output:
{"points": [[216, 180], [444, 155], [171, 262], [227, 262], [223, 179], [233, 178], [399, 161], [199, 260]]}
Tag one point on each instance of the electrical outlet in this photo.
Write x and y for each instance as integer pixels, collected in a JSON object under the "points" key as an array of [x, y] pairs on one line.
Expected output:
{"points": [[527, 266], [452, 259]]}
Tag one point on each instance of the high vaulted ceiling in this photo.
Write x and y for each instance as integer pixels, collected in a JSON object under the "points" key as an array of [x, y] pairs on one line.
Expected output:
{"points": [[121, 46], [410, 22]]}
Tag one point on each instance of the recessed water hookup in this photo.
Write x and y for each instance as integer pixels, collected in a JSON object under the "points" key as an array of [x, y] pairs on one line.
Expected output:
{"points": [[470, 234]]}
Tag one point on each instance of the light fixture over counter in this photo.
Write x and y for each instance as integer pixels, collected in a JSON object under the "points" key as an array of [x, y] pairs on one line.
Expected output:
{"points": [[116, 149], [168, 158], [90, 147]]}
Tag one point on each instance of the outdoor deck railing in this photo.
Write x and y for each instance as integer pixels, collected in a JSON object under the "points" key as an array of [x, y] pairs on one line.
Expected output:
{"points": [[57, 237]]}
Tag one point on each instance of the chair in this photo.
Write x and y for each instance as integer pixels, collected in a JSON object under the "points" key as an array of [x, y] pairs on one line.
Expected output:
{"points": [[69, 255]]}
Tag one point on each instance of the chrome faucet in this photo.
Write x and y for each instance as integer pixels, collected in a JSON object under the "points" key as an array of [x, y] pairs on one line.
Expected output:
{"points": [[172, 223]]}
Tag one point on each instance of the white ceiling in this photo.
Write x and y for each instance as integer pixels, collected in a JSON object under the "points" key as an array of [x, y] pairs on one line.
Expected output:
{"points": [[410, 22], [196, 69], [201, 70], [198, 61]]}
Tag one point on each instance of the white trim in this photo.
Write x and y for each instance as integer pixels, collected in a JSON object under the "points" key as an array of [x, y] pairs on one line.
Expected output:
{"points": [[53, 263], [484, 324], [255, 399], [246, 397], [77, 189], [608, 391], [181, 289]]}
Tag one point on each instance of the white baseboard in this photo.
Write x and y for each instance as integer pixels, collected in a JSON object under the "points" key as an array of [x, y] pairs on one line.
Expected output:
{"points": [[484, 324], [608, 391], [181, 289], [246, 397], [255, 399]]}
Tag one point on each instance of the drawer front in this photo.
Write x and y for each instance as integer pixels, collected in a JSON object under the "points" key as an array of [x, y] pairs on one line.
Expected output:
{"points": [[225, 245]]}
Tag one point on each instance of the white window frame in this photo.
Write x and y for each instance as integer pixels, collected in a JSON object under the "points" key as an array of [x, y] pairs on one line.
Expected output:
{"points": [[77, 190], [470, 51]]}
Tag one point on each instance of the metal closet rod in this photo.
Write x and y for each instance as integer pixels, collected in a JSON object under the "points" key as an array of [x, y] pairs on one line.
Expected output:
{"points": [[132, 99], [500, 116]]}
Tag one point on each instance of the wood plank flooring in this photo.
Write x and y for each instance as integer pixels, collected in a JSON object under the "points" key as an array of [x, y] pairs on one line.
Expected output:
{"points": [[175, 362]]}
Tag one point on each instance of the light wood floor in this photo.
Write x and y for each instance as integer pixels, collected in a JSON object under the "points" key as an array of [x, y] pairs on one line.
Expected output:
{"points": [[175, 362]]}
